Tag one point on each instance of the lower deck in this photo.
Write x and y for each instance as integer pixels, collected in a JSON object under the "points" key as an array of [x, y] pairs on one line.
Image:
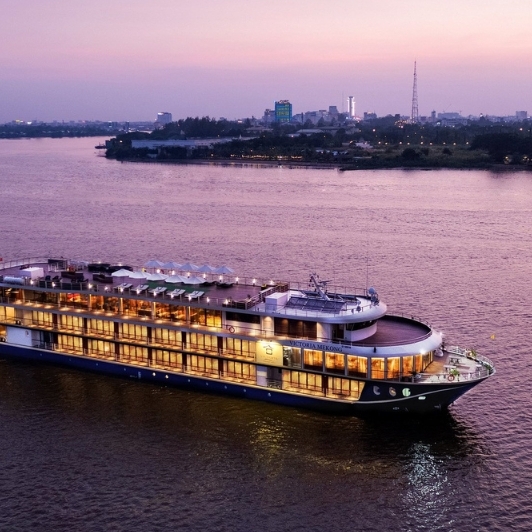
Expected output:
{"points": [[373, 396]]}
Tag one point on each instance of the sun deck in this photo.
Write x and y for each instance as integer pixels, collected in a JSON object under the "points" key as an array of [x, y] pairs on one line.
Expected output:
{"points": [[224, 291], [397, 330]]}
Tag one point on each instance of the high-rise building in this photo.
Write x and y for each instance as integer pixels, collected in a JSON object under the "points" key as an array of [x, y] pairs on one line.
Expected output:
{"points": [[163, 118], [351, 106], [283, 111]]}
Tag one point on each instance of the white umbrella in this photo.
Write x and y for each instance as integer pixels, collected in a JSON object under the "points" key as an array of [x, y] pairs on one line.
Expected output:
{"points": [[194, 280], [188, 267], [222, 270], [121, 273], [171, 265], [175, 279], [156, 277], [206, 269], [137, 275], [154, 264]]}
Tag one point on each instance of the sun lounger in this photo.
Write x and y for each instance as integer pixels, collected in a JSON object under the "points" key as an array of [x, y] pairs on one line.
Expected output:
{"points": [[141, 288], [176, 293], [195, 295]]}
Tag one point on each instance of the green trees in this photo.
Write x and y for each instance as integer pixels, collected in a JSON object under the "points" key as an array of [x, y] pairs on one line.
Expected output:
{"points": [[504, 147]]}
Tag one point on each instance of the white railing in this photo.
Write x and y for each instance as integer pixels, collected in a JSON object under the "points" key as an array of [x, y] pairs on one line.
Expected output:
{"points": [[5, 265]]}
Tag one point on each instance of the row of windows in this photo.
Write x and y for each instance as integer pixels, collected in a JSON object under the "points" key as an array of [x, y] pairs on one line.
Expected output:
{"points": [[379, 367], [132, 307], [207, 366]]}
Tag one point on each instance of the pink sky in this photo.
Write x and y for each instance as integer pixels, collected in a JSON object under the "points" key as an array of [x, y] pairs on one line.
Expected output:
{"points": [[129, 59]]}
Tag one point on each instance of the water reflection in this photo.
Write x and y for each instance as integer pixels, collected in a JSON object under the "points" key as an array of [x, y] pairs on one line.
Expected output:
{"points": [[210, 448]]}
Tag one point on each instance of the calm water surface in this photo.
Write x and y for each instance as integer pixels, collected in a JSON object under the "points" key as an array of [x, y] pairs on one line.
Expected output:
{"points": [[86, 452]]}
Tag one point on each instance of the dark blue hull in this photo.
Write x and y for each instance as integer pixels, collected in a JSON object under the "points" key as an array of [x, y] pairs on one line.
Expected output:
{"points": [[423, 398]]}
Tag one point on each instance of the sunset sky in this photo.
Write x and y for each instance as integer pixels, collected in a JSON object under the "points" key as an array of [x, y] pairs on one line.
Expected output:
{"points": [[129, 59]]}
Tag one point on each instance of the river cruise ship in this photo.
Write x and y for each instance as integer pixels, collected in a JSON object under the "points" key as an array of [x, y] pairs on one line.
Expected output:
{"points": [[308, 345]]}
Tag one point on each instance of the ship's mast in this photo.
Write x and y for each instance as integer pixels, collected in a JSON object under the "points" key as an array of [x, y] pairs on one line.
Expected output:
{"points": [[320, 286]]}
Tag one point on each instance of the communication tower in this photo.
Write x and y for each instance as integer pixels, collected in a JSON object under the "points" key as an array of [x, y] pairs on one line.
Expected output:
{"points": [[414, 117]]}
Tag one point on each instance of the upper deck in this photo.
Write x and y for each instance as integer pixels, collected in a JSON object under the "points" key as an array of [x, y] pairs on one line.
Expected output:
{"points": [[240, 294]]}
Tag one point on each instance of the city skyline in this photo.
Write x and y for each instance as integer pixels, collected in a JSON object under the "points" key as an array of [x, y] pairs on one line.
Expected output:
{"points": [[129, 60]]}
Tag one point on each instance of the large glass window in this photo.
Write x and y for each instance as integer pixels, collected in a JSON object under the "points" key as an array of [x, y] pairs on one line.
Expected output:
{"points": [[243, 318], [238, 347], [136, 307], [302, 381], [427, 359], [133, 331], [101, 348], [343, 388], [377, 368], [292, 357], [393, 368], [335, 362], [203, 316], [167, 337], [239, 371], [163, 311], [357, 366], [70, 344], [295, 328], [74, 300], [408, 365], [202, 342], [133, 353], [42, 319], [71, 323], [313, 359], [40, 297], [7, 314], [204, 365], [169, 359], [101, 327]]}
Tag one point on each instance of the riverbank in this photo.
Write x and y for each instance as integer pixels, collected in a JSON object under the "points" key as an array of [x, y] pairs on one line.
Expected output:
{"points": [[239, 163], [374, 164]]}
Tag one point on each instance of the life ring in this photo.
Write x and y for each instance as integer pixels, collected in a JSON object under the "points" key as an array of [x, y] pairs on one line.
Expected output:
{"points": [[450, 378], [231, 329]]}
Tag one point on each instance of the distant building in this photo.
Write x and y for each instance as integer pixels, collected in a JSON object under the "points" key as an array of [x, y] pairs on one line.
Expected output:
{"points": [[452, 119], [521, 115], [283, 111], [351, 106], [269, 116], [370, 116], [163, 118], [176, 143], [449, 116]]}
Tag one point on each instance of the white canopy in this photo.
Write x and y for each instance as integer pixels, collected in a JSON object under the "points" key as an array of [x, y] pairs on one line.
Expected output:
{"points": [[188, 267], [121, 273], [138, 275], [223, 270], [171, 265], [156, 277], [32, 273], [154, 264], [175, 279], [206, 269], [193, 280]]}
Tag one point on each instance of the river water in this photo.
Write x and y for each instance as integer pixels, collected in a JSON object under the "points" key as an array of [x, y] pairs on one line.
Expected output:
{"points": [[87, 452]]}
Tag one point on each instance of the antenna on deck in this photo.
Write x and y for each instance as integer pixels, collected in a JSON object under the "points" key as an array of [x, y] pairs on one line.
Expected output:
{"points": [[320, 286]]}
